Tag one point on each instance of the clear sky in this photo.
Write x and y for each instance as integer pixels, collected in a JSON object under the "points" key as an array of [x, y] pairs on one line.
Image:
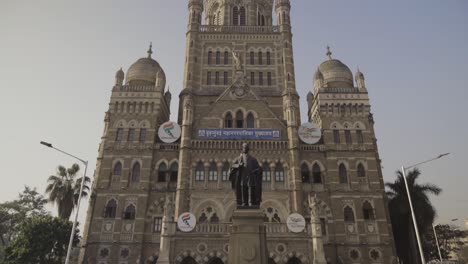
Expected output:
{"points": [[58, 60]]}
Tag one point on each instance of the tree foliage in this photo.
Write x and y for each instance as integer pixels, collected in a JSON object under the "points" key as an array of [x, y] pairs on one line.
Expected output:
{"points": [[41, 240], [400, 213], [13, 213], [450, 241], [63, 189]]}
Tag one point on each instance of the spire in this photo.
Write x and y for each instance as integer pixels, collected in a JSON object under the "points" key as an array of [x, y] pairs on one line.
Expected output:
{"points": [[150, 50], [329, 53]]}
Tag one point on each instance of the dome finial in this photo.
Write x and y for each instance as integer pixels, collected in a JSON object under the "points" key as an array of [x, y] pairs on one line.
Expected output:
{"points": [[329, 53], [150, 50]]}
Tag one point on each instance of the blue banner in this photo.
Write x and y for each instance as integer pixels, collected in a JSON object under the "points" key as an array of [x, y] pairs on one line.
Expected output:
{"points": [[239, 133]]}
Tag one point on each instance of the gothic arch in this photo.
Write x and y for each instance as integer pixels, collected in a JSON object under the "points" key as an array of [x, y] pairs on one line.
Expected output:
{"points": [[294, 254], [121, 123], [336, 125], [144, 124], [217, 206], [188, 253], [133, 123], [282, 210], [347, 125], [169, 164], [215, 254], [114, 162], [359, 125]]}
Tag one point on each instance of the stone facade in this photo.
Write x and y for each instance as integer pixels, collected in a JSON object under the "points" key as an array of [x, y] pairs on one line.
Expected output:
{"points": [[239, 73]]}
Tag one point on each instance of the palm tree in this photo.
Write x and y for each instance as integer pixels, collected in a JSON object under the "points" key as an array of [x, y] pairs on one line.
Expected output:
{"points": [[63, 189], [400, 213]]}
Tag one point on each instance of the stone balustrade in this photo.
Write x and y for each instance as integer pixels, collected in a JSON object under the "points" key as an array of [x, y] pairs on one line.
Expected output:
{"points": [[134, 88], [237, 145], [239, 29]]}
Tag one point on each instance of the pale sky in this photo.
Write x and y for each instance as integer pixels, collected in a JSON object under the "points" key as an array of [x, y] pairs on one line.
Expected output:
{"points": [[58, 60]]}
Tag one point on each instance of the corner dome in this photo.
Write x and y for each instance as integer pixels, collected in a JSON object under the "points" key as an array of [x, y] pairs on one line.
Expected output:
{"points": [[144, 72], [335, 73]]}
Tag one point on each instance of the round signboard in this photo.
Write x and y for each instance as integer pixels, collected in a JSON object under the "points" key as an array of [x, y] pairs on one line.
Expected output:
{"points": [[296, 223], [169, 132], [310, 133], [186, 222]]}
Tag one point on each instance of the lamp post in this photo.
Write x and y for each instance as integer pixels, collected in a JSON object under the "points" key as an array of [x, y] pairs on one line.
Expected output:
{"points": [[437, 240], [403, 170], [72, 235]]}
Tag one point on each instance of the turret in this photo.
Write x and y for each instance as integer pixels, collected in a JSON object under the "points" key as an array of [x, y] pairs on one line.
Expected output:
{"points": [[119, 77], [360, 81], [283, 9], [195, 14]]}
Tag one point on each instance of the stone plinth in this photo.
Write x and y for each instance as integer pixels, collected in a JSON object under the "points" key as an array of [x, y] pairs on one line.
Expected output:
{"points": [[247, 243]]}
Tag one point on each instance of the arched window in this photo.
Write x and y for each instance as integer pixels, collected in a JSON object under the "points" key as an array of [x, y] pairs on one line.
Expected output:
{"points": [[239, 119], [368, 211], [119, 134], [226, 57], [266, 173], [235, 16], [348, 214], [202, 219], [305, 173], [130, 212], [162, 171], [294, 260], [263, 20], [343, 174], [252, 58], [348, 138], [136, 172], [188, 260], [269, 80], [218, 57], [200, 172], [210, 55], [260, 58], [360, 138], [250, 121], [268, 58], [111, 208], [214, 218], [316, 173], [117, 171], [228, 120], [336, 136], [225, 171], [361, 172], [174, 172], [242, 16], [279, 173], [213, 172]]}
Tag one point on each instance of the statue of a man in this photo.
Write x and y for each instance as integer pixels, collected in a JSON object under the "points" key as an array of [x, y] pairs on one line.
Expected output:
{"points": [[246, 178]]}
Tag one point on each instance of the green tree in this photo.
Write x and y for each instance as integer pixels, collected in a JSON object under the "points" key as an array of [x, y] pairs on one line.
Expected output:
{"points": [[13, 213], [400, 213], [63, 189], [450, 241], [41, 240]]}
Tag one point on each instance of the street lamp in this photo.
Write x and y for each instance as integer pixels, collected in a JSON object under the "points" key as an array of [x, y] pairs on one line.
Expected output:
{"points": [[72, 235], [403, 170], [437, 240]]}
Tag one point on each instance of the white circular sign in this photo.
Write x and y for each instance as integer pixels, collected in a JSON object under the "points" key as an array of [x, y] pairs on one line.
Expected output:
{"points": [[310, 133], [169, 132], [186, 222], [296, 223]]}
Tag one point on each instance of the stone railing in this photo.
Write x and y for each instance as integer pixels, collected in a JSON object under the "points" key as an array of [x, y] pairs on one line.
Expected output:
{"points": [[239, 29], [237, 145], [134, 88], [224, 228], [313, 148]]}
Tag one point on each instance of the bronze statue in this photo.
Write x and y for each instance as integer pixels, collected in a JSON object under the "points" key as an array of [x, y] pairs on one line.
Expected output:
{"points": [[246, 178]]}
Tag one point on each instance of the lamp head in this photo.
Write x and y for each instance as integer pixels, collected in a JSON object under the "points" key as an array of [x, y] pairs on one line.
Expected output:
{"points": [[46, 144]]}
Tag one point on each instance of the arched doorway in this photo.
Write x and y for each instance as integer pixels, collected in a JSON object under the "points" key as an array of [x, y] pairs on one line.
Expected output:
{"points": [[188, 260], [294, 260], [215, 261]]}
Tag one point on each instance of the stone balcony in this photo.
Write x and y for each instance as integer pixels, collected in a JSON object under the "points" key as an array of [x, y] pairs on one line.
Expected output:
{"points": [[272, 229]]}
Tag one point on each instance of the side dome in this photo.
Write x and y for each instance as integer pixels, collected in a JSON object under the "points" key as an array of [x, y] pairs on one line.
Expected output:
{"points": [[144, 72], [335, 73]]}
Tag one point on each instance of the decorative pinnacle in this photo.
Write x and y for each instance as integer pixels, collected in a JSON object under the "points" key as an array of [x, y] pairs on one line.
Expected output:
{"points": [[329, 53], [150, 50]]}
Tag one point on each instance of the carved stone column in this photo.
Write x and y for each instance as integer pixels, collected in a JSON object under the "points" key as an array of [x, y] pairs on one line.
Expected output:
{"points": [[316, 228]]}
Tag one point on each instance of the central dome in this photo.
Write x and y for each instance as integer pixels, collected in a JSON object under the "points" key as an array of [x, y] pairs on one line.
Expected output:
{"points": [[144, 71], [336, 74]]}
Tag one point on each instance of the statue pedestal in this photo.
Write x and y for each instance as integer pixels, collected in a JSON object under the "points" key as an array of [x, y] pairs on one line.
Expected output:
{"points": [[247, 243]]}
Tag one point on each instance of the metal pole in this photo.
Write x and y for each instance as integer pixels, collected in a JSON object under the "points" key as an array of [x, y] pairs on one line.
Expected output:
{"points": [[437, 242], [421, 252], [72, 235]]}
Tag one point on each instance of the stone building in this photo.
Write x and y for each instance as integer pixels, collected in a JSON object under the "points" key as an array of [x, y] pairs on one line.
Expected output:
{"points": [[238, 74]]}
